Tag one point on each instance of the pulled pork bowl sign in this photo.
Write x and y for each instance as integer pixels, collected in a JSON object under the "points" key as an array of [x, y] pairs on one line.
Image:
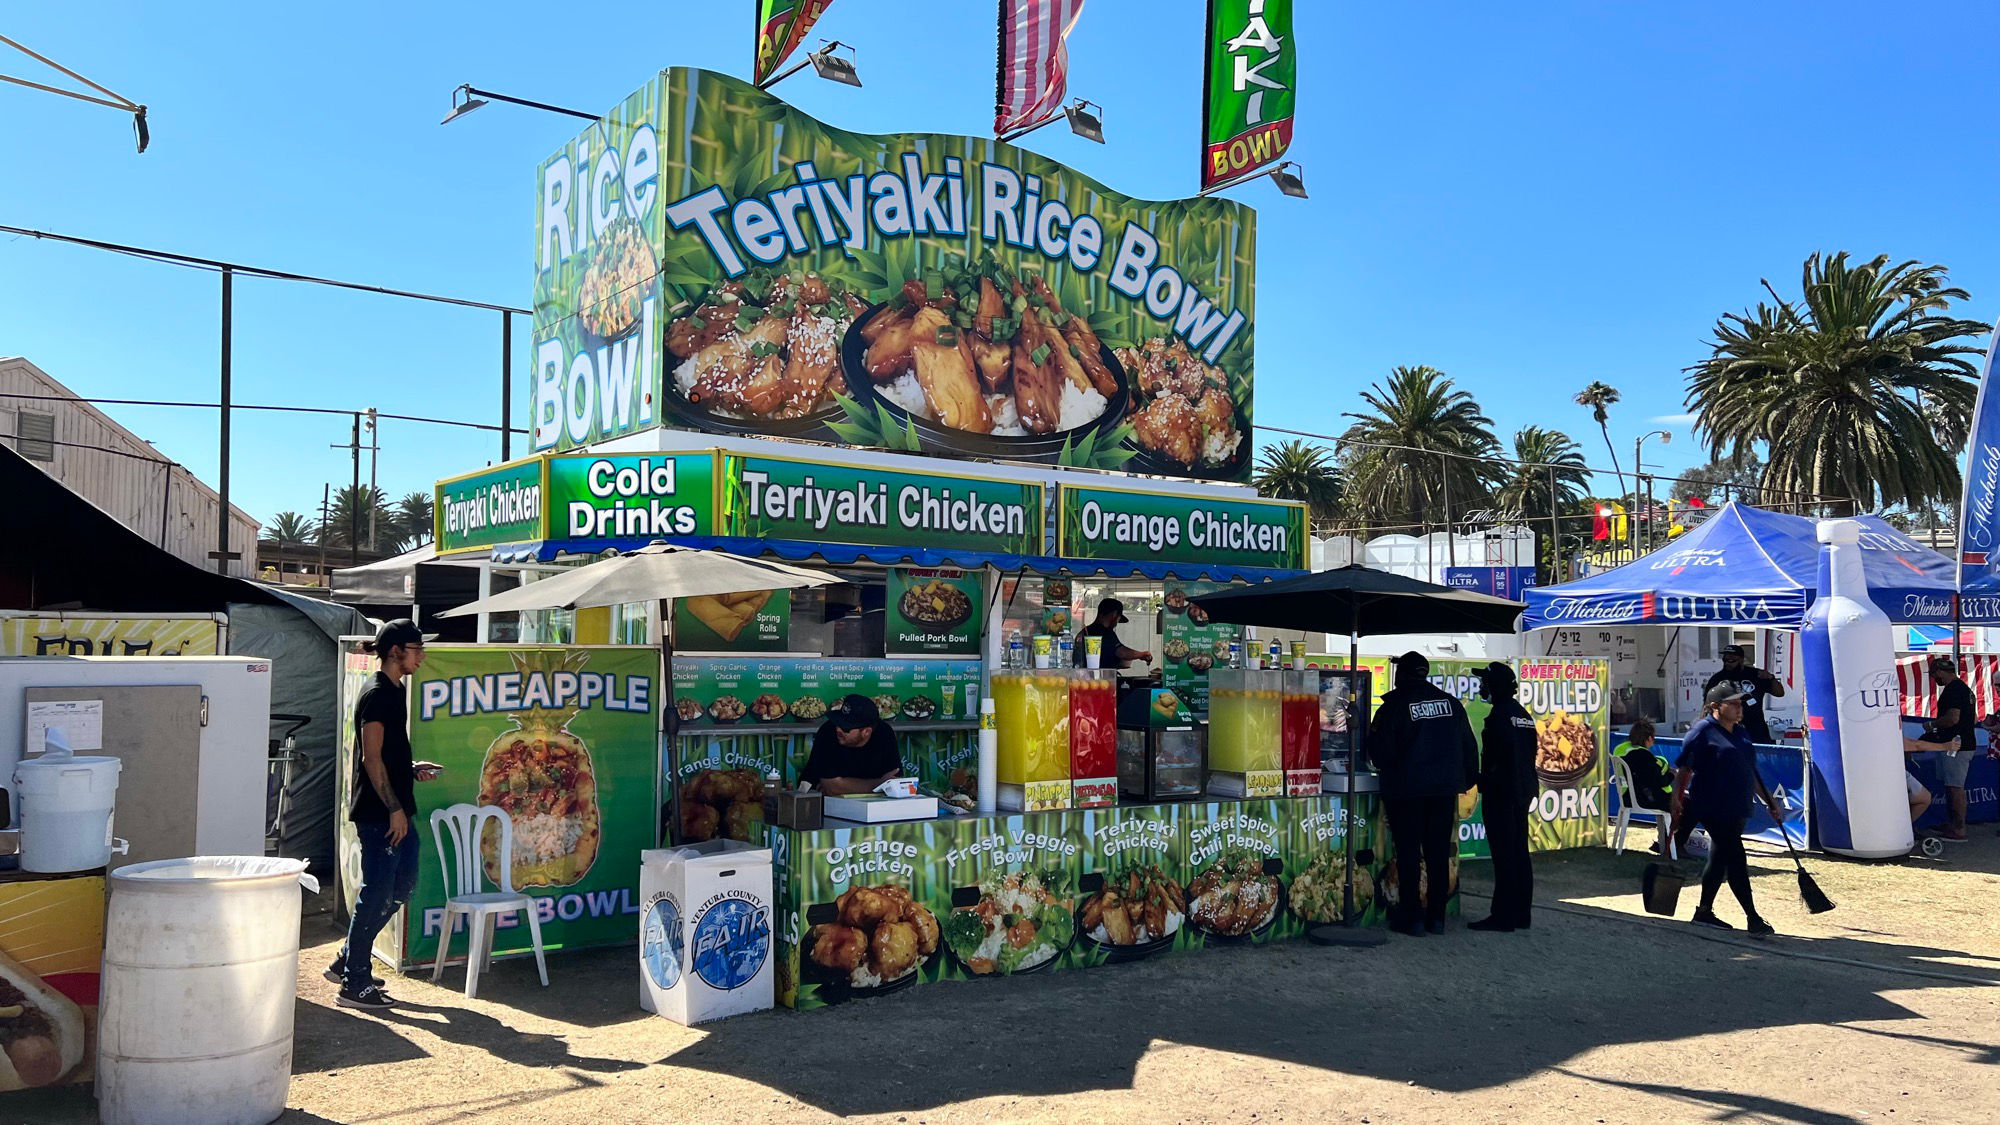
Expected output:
{"points": [[934, 611], [709, 258]]}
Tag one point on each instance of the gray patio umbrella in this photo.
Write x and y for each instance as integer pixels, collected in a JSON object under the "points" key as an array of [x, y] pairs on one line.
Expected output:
{"points": [[655, 572], [652, 572]]}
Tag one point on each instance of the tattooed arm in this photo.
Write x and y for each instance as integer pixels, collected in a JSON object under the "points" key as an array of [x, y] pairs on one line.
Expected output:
{"points": [[378, 777]]}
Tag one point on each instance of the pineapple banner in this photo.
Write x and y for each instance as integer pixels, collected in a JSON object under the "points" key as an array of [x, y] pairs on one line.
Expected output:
{"points": [[564, 739]]}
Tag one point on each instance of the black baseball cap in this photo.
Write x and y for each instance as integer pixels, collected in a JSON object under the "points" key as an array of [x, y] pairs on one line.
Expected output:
{"points": [[1413, 662], [401, 631], [856, 712], [1733, 650], [1722, 693], [1112, 605], [1494, 674]]}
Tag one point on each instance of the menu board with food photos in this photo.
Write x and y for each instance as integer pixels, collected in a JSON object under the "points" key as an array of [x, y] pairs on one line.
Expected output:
{"points": [[723, 692], [1191, 644]]}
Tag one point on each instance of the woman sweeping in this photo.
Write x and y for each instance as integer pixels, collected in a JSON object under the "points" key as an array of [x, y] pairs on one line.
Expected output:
{"points": [[1715, 779]]}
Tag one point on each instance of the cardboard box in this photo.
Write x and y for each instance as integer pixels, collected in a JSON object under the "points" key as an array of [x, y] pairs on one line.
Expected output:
{"points": [[874, 808], [705, 941]]}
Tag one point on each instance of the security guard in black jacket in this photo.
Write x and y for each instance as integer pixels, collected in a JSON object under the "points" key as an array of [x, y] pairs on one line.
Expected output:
{"points": [[1422, 746], [1507, 782]]}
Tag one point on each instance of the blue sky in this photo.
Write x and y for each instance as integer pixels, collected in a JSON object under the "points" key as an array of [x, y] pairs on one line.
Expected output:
{"points": [[1526, 196]]}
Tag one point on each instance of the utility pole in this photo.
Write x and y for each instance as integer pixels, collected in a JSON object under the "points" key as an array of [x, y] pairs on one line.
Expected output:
{"points": [[222, 553], [374, 447], [325, 514], [354, 497]]}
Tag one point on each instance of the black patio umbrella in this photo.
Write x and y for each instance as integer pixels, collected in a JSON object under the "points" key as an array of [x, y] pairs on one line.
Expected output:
{"points": [[1360, 602]]}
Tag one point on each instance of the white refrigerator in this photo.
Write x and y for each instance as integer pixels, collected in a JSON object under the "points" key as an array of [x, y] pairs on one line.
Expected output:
{"points": [[193, 733]]}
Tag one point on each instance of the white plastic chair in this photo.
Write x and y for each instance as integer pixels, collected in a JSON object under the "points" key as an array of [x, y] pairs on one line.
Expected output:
{"points": [[482, 909], [1662, 818]]}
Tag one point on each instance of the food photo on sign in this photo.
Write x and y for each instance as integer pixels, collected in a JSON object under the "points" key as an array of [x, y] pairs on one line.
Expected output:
{"points": [[711, 258]]}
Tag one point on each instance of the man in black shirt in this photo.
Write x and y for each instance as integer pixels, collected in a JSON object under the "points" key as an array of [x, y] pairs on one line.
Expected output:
{"points": [[1422, 746], [1756, 686], [1113, 654], [853, 751], [1955, 719], [1507, 782], [382, 803]]}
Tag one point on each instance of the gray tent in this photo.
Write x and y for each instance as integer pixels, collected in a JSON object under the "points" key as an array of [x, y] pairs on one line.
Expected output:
{"points": [[300, 637]]}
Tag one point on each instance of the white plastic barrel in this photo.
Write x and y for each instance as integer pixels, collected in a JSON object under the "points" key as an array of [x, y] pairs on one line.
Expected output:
{"points": [[66, 804], [200, 967]]}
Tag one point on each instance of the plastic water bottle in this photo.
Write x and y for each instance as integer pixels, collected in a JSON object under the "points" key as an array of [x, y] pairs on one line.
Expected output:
{"points": [[1017, 656], [1235, 654], [1276, 655], [1063, 644]]}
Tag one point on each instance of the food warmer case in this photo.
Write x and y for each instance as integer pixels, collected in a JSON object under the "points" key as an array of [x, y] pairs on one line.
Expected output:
{"points": [[1162, 749]]}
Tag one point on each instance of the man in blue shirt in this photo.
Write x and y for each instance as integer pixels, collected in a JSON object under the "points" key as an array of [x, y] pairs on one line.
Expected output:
{"points": [[1715, 780]]}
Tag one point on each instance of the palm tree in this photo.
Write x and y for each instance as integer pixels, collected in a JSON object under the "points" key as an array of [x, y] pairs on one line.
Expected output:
{"points": [[1293, 470], [1600, 396], [1546, 455], [1421, 445], [1855, 392], [290, 527], [413, 521], [347, 521]]}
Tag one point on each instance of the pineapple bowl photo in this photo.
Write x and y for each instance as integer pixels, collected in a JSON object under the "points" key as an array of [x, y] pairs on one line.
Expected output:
{"points": [[542, 775]]}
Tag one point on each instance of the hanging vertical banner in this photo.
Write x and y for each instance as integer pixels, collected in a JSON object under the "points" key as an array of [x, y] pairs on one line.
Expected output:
{"points": [[1034, 62], [781, 27], [1979, 517], [1249, 89]]}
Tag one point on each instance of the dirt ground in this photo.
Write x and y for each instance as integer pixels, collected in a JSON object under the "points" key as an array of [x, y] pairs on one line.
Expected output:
{"points": [[1885, 1009]]}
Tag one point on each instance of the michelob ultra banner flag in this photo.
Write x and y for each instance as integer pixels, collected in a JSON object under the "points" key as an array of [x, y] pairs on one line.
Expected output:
{"points": [[1979, 539], [1249, 90]]}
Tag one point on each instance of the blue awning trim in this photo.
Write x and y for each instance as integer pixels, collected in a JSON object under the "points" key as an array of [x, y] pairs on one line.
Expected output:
{"points": [[843, 554]]}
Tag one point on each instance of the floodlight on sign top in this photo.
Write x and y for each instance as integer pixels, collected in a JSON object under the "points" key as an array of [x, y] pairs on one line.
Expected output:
{"points": [[1289, 183], [834, 68], [1083, 122], [462, 103]]}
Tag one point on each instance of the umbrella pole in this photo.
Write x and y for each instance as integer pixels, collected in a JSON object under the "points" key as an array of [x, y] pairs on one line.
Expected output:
{"points": [[1347, 931], [670, 725]]}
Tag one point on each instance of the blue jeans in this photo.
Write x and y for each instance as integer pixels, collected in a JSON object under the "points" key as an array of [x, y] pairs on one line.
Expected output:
{"points": [[388, 875]]}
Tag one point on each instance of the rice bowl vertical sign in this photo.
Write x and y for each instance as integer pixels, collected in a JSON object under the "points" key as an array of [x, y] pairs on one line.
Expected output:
{"points": [[566, 741]]}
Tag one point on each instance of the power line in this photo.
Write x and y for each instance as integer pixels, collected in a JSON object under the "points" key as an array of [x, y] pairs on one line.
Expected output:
{"points": [[213, 265], [243, 406]]}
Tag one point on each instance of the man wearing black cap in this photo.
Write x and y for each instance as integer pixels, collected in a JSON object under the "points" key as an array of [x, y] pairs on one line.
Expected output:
{"points": [[1753, 683], [1507, 783], [1422, 746], [853, 751], [1110, 615], [382, 803], [1955, 719]]}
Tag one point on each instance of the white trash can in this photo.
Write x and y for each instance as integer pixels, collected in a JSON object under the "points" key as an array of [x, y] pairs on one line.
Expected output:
{"points": [[201, 961], [705, 948], [66, 804]]}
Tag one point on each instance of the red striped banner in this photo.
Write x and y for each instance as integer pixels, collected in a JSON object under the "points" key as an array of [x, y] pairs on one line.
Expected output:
{"points": [[1981, 671], [1034, 63]]}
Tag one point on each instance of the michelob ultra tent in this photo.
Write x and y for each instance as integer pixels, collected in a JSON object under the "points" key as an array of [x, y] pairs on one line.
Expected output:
{"points": [[1748, 567]]}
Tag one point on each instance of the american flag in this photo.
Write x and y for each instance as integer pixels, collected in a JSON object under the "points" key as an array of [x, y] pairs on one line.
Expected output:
{"points": [[1034, 64], [1980, 670]]}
